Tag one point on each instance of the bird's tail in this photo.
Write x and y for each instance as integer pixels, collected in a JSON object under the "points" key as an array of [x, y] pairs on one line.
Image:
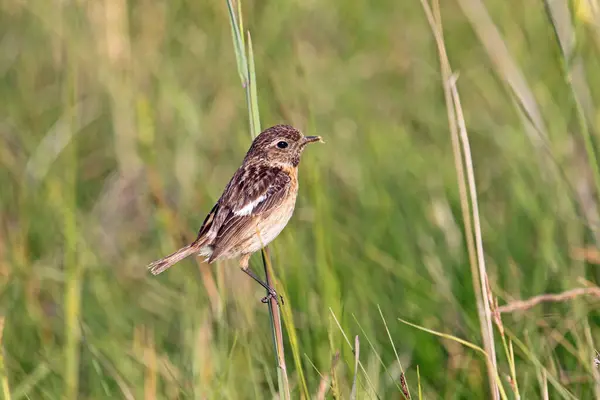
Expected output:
{"points": [[164, 263]]}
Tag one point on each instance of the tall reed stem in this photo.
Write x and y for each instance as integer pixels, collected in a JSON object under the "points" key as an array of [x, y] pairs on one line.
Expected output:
{"points": [[465, 179], [247, 74]]}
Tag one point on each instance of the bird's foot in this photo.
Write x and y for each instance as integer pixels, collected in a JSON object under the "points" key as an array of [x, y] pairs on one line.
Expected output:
{"points": [[272, 295]]}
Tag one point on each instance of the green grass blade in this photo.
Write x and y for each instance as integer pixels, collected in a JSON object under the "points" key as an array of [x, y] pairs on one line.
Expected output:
{"points": [[362, 368], [372, 346], [238, 45], [356, 360], [565, 394], [255, 115], [38, 375], [392, 343], [3, 373], [245, 66], [288, 320], [419, 383], [461, 341]]}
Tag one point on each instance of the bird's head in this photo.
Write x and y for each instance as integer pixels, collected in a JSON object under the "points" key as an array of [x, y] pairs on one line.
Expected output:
{"points": [[280, 144]]}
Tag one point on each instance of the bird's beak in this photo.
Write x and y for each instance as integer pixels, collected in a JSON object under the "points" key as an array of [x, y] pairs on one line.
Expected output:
{"points": [[312, 139]]}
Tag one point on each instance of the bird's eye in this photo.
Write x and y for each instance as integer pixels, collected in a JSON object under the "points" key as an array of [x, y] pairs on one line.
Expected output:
{"points": [[282, 145]]}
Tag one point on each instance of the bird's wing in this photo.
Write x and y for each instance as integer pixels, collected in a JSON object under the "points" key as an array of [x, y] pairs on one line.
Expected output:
{"points": [[255, 189], [252, 192], [209, 228]]}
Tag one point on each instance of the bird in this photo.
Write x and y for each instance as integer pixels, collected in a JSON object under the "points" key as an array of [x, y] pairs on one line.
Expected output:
{"points": [[255, 206]]}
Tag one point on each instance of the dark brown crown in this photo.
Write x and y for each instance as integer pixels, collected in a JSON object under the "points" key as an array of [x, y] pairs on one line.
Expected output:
{"points": [[279, 144], [267, 136]]}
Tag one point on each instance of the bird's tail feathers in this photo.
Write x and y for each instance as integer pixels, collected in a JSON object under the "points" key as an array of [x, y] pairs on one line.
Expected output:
{"points": [[164, 263]]}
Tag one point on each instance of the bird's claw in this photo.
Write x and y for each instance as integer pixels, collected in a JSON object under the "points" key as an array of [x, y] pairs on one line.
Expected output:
{"points": [[272, 295]]}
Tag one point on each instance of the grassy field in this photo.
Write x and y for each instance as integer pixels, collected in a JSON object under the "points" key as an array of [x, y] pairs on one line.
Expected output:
{"points": [[122, 121]]}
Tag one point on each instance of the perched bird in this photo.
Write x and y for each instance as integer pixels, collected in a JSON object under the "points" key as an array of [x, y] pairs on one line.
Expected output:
{"points": [[255, 206]]}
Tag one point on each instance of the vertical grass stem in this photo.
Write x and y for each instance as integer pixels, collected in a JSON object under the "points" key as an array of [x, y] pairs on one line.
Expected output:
{"points": [[247, 72]]}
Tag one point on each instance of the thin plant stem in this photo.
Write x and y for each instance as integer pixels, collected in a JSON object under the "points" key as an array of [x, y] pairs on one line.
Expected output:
{"points": [[574, 73], [66, 202], [477, 225], [246, 70], [474, 247], [277, 328], [420, 389], [523, 305], [3, 376], [502, 392], [360, 364], [356, 358]]}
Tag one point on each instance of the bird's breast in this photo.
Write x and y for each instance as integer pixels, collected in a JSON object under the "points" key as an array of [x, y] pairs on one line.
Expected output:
{"points": [[268, 227]]}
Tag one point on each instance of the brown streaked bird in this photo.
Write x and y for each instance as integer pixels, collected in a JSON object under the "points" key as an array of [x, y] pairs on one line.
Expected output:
{"points": [[255, 206]]}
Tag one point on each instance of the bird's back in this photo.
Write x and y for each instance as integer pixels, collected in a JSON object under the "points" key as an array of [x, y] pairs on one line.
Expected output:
{"points": [[249, 233]]}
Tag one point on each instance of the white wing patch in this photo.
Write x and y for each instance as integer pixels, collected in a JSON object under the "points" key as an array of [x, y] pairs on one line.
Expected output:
{"points": [[248, 208], [206, 252]]}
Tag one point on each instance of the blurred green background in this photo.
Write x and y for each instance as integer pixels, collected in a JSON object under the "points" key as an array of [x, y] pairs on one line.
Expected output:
{"points": [[122, 121]]}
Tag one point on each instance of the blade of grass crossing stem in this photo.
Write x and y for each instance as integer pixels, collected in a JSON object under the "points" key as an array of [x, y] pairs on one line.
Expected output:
{"points": [[385, 368], [369, 383], [30, 382], [464, 343], [554, 381], [392, 343], [356, 358]]}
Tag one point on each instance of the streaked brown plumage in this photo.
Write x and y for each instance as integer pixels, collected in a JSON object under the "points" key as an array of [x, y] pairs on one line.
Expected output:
{"points": [[256, 204]]}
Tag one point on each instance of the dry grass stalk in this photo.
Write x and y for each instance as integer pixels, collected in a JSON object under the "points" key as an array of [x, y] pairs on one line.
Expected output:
{"points": [[522, 305], [150, 375], [472, 227], [353, 393], [3, 377], [326, 379], [355, 350], [588, 254], [404, 386], [488, 336], [544, 385], [493, 302]]}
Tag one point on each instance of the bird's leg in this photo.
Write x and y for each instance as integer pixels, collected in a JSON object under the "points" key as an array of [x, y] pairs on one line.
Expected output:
{"points": [[272, 292], [246, 268]]}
